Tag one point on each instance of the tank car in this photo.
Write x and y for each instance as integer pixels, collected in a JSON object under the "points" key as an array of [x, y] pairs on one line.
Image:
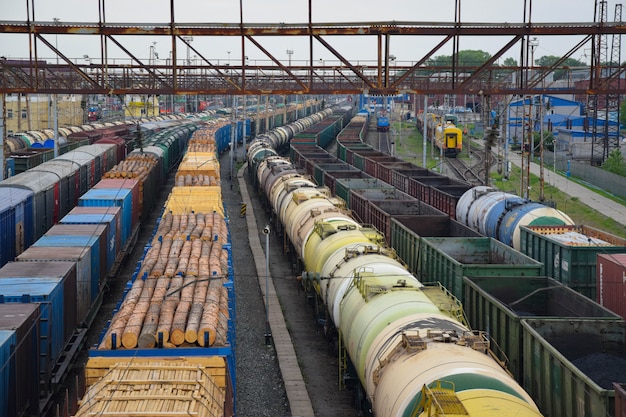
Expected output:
{"points": [[411, 356], [500, 215]]}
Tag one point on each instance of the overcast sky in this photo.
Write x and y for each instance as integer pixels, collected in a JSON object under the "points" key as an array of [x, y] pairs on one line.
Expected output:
{"points": [[215, 49]]}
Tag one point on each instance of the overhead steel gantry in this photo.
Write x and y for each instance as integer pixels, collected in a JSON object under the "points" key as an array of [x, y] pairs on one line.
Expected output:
{"points": [[136, 76]]}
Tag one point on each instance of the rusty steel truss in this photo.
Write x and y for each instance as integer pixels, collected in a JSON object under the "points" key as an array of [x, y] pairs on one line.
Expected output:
{"points": [[381, 76]]}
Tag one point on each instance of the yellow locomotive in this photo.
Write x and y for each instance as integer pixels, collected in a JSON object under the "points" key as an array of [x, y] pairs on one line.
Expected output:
{"points": [[444, 134]]}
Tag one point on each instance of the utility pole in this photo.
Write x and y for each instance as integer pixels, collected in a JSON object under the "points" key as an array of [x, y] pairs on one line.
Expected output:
{"points": [[2, 117], [527, 148], [541, 176], [289, 54], [245, 127], [425, 130], [233, 136], [490, 136], [490, 140], [54, 97]]}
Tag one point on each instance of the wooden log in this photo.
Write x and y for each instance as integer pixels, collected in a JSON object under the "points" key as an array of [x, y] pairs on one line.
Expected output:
{"points": [[224, 262], [191, 225], [175, 226], [183, 222], [118, 323], [222, 328], [173, 258], [210, 314], [166, 315], [165, 225], [147, 337], [183, 261], [203, 262], [207, 233], [193, 323], [215, 268], [159, 267], [132, 330], [150, 259], [177, 335]]}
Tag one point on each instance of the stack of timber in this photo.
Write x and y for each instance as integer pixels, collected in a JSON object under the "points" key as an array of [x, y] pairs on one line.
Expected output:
{"points": [[138, 166], [151, 387], [195, 167], [178, 297]]}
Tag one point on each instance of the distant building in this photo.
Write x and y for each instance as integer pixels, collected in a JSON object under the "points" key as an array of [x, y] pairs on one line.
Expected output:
{"points": [[34, 111], [565, 118], [141, 106], [547, 112]]}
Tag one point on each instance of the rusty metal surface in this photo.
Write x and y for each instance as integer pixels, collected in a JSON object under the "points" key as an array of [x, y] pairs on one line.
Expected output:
{"points": [[343, 76]]}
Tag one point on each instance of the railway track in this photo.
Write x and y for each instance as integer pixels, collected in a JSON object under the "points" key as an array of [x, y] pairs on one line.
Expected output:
{"points": [[384, 141], [475, 173], [463, 171]]}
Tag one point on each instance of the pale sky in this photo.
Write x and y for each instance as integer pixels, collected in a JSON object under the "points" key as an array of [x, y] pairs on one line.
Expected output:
{"points": [[406, 49]]}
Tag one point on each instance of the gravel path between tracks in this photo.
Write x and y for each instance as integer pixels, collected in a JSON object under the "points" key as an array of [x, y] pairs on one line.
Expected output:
{"points": [[260, 389]]}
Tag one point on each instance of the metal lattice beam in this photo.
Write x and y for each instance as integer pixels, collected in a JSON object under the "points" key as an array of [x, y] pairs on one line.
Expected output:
{"points": [[181, 77]]}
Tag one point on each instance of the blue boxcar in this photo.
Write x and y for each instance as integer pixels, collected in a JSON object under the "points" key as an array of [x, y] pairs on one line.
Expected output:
{"points": [[20, 396], [16, 222], [112, 197], [53, 284], [8, 340], [112, 243], [89, 243]]}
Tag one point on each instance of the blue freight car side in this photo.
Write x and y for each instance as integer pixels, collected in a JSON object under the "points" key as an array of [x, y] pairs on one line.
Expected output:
{"points": [[112, 245], [88, 243], [8, 340], [16, 222], [110, 197], [50, 292]]}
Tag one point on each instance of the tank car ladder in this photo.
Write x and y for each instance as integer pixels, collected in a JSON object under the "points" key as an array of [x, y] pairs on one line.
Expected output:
{"points": [[440, 401], [343, 362], [446, 302]]}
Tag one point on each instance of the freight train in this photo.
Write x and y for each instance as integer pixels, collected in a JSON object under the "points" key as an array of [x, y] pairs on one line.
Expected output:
{"points": [[49, 295], [412, 356], [173, 325], [34, 200], [382, 123], [43, 138], [31, 148], [444, 134], [51, 292], [490, 212], [46, 189], [502, 289]]}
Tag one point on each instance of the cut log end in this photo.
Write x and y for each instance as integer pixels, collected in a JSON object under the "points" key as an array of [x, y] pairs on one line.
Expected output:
{"points": [[129, 340], [191, 336], [177, 337]]}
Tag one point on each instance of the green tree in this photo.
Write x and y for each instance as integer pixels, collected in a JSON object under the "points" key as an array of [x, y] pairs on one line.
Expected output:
{"points": [[467, 58], [615, 163], [559, 74], [510, 62], [548, 141]]}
